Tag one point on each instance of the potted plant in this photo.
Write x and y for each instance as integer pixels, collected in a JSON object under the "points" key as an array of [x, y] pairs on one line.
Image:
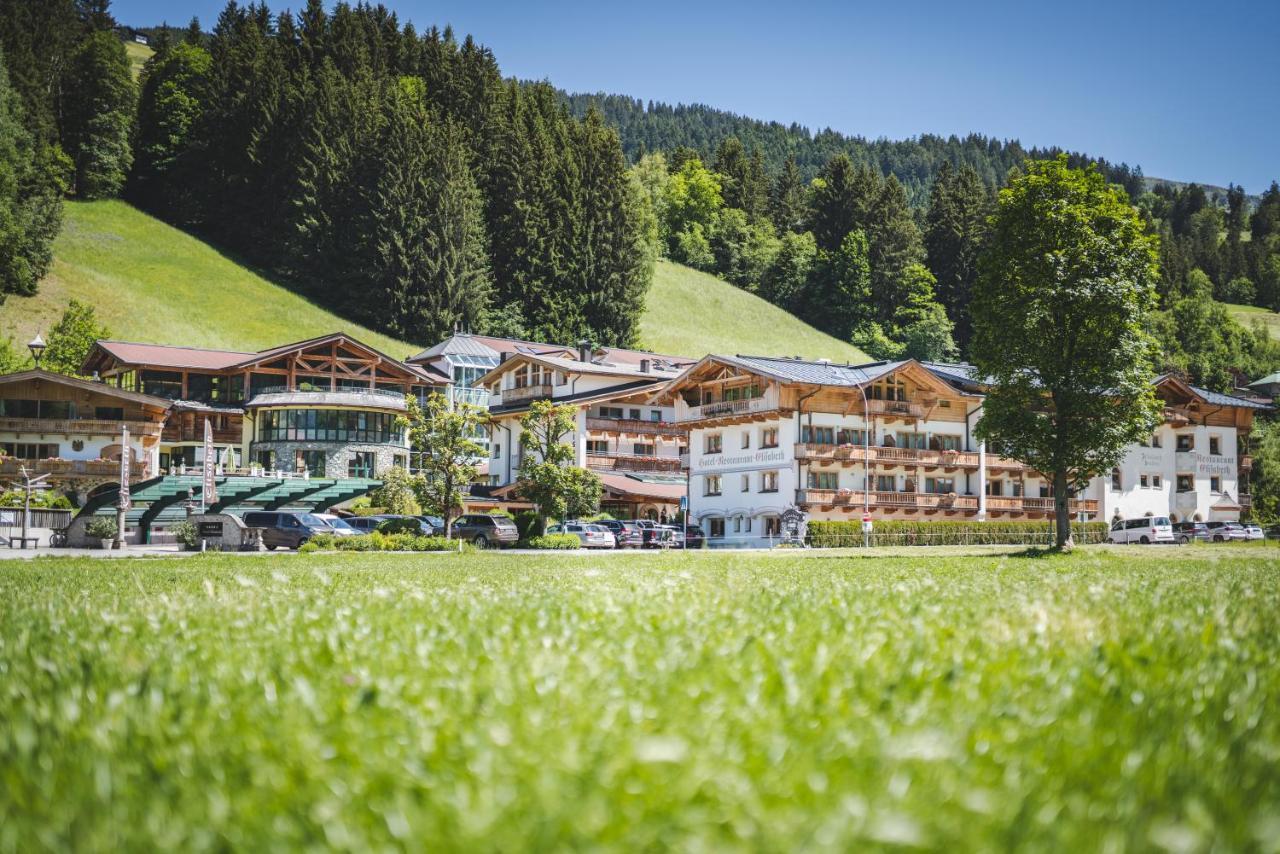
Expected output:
{"points": [[186, 535], [102, 529]]}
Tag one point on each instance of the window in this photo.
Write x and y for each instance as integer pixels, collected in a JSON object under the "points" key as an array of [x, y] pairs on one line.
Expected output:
{"points": [[711, 485], [642, 449], [1186, 442], [635, 415], [328, 425], [1215, 446], [108, 413], [912, 440], [29, 450], [746, 439], [714, 443], [611, 412], [886, 483], [939, 485], [400, 461], [1142, 481], [715, 528], [497, 449], [817, 435], [769, 481], [824, 480], [165, 384], [944, 404], [737, 524], [1186, 483], [1156, 441], [655, 414], [769, 437], [361, 464], [1115, 479], [597, 446], [851, 437], [310, 461], [1156, 481], [60, 409], [1215, 484], [746, 483], [772, 526]]}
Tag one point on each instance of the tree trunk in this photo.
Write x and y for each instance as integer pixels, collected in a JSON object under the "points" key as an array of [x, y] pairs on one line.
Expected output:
{"points": [[448, 526], [1062, 512]]}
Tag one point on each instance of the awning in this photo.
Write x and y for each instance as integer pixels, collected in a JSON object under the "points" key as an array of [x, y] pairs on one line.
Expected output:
{"points": [[640, 487]]}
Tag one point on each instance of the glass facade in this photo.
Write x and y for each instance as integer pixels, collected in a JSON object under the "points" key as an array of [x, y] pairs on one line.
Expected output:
{"points": [[328, 425]]}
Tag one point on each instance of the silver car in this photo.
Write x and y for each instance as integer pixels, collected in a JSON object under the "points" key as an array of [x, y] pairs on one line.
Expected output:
{"points": [[1253, 532], [591, 536], [338, 524]]}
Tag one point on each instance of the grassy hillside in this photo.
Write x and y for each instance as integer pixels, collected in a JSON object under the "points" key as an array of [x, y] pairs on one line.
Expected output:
{"points": [[151, 282], [690, 313], [138, 55], [1246, 314]]}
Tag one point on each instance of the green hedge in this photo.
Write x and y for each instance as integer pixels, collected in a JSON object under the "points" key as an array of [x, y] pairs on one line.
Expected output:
{"points": [[379, 542], [555, 541], [399, 526], [842, 532]]}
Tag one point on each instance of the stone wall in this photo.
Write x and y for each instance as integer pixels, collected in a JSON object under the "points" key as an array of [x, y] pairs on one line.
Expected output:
{"points": [[338, 455]]}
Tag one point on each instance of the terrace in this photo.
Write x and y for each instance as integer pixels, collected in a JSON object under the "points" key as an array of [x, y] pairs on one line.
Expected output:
{"points": [[634, 427], [633, 462], [768, 402]]}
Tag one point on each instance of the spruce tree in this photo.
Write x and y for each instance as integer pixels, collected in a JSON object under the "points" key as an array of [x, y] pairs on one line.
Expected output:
{"points": [[98, 116], [955, 230], [786, 199]]}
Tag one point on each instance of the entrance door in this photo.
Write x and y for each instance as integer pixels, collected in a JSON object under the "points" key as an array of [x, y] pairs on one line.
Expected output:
{"points": [[310, 461]]}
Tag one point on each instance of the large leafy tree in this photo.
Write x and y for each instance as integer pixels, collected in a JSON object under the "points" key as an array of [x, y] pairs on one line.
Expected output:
{"points": [[442, 439], [71, 338], [1059, 327], [98, 116], [547, 475]]}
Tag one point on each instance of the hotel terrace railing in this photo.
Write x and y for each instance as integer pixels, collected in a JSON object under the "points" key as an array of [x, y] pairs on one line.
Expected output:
{"points": [[77, 426], [356, 389], [635, 427], [10, 466], [930, 500], [528, 392], [901, 456], [632, 462], [901, 408], [727, 408]]}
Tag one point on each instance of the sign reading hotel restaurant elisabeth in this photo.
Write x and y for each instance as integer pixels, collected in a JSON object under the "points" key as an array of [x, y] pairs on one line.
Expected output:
{"points": [[747, 459], [1211, 465]]}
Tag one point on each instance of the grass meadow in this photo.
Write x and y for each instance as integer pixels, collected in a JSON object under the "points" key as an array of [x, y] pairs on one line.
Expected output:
{"points": [[1107, 700]]}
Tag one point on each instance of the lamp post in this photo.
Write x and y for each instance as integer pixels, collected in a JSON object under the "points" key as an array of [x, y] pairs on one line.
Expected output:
{"points": [[866, 467], [37, 348]]}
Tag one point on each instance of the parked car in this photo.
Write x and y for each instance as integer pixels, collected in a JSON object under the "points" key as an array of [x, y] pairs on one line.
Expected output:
{"points": [[288, 528], [677, 535], [1148, 529], [485, 530], [365, 524], [1225, 531], [694, 537], [1254, 532], [338, 524], [657, 537], [436, 523], [591, 535], [423, 527], [1185, 532], [627, 534]]}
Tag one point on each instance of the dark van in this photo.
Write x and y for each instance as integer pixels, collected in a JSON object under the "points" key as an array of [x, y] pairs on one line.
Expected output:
{"points": [[285, 528]]}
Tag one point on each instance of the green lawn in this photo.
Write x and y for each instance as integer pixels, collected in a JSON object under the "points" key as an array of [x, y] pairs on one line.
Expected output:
{"points": [[154, 283], [1109, 700], [1246, 314], [138, 55], [690, 313]]}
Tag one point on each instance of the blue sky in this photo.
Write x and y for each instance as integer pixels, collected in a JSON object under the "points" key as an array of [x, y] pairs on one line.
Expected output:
{"points": [[1188, 90]]}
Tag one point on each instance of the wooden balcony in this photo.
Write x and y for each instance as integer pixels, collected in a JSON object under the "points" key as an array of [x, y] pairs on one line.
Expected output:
{"points": [[632, 462], [10, 467], [78, 427], [1246, 463], [929, 501], [635, 427], [523, 393], [907, 409], [195, 433], [728, 409]]}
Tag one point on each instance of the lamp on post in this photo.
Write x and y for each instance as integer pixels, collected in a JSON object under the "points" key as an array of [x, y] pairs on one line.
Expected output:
{"points": [[37, 347], [866, 469]]}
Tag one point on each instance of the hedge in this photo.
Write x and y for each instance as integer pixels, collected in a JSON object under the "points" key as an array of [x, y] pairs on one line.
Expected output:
{"points": [[555, 541], [847, 532], [409, 525], [378, 542]]}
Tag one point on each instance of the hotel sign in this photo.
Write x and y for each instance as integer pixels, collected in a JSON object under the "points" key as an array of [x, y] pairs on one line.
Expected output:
{"points": [[763, 458], [1207, 464]]}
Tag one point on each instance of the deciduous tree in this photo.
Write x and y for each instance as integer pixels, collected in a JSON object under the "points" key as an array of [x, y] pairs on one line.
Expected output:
{"points": [[442, 439], [71, 339]]}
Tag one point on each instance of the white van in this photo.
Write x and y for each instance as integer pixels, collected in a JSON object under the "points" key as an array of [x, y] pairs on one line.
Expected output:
{"points": [[1148, 529]]}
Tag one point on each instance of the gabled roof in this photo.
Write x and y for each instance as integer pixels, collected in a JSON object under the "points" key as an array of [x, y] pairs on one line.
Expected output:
{"points": [[488, 346], [1213, 398], [573, 366], [87, 385], [1269, 379], [809, 372], [594, 396], [163, 355]]}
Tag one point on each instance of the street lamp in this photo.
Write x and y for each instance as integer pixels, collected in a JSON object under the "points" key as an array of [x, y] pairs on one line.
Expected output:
{"points": [[37, 347]]}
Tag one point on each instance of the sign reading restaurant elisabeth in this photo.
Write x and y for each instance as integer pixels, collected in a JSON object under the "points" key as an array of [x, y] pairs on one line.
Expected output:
{"points": [[763, 458]]}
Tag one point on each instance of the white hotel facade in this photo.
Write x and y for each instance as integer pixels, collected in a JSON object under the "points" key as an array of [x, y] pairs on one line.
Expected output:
{"points": [[776, 443]]}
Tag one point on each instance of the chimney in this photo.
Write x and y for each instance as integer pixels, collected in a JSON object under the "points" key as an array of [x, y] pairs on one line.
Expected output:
{"points": [[502, 357], [644, 366], [584, 350]]}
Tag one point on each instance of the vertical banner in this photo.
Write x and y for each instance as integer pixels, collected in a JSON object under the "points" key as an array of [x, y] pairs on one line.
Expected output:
{"points": [[125, 501], [209, 491]]}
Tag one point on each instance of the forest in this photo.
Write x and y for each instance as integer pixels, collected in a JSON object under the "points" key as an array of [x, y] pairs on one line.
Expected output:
{"points": [[398, 178]]}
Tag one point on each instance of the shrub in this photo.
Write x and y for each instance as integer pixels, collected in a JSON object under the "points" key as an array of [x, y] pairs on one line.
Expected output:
{"points": [[45, 500], [380, 542], [841, 532], [322, 541], [400, 526], [101, 528], [527, 524], [186, 533], [308, 547], [555, 541]]}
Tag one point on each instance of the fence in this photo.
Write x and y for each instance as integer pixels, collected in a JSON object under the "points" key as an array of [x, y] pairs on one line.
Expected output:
{"points": [[846, 534], [41, 523]]}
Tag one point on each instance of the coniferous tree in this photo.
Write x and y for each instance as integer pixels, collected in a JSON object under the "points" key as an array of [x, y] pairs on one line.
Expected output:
{"points": [[98, 116], [895, 245], [955, 228], [786, 200]]}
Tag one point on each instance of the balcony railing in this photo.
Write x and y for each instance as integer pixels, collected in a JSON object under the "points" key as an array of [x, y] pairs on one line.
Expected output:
{"points": [[632, 462], [78, 426], [360, 389], [474, 396], [528, 392], [934, 500], [727, 408], [635, 427], [1245, 500], [72, 468], [899, 408]]}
